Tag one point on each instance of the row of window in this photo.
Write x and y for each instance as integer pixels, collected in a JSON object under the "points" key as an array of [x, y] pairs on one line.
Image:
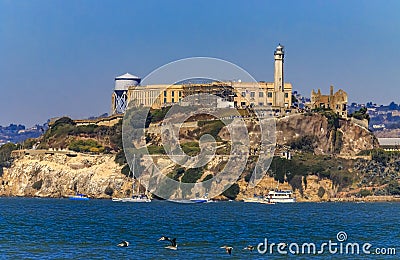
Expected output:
{"points": [[243, 104], [173, 93], [261, 94]]}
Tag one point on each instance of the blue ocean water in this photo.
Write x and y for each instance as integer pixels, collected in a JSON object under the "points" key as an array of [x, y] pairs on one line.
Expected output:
{"points": [[32, 228]]}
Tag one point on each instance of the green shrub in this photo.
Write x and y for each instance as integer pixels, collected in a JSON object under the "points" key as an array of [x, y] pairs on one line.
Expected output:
{"points": [[342, 178], [155, 149], [282, 168], [5, 151], [176, 173], [393, 188], [63, 121], [232, 191], [338, 141], [191, 148], [120, 157], [365, 193], [381, 156], [361, 114], [296, 183], [192, 175], [88, 145], [208, 177], [304, 143], [126, 170], [209, 127], [157, 115]]}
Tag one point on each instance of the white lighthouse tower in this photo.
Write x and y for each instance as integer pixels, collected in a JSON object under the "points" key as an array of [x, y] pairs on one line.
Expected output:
{"points": [[120, 95], [279, 82]]}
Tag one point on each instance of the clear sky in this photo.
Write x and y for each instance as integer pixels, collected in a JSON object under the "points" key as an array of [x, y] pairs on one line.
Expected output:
{"points": [[60, 57]]}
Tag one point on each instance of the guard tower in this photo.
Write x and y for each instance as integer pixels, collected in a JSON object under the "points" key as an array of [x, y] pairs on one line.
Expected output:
{"points": [[120, 95], [278, 77]]}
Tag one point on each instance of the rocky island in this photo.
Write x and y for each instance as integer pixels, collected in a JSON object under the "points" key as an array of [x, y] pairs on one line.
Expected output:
{"points": [[330, 159]]}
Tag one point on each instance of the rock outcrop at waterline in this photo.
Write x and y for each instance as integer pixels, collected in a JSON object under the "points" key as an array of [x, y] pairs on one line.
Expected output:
{"points": [[59, 175]]}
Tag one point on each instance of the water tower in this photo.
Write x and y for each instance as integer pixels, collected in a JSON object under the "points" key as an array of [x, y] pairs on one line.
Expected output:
{"points": [[120, 94]]}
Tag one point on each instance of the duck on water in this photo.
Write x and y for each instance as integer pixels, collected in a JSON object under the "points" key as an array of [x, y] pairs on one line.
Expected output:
{"points": [[173, 246]]}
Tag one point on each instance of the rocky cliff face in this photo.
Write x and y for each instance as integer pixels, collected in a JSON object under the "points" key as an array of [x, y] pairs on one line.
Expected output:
{"points": [[97, 176], [347, 139], [59, 175]]}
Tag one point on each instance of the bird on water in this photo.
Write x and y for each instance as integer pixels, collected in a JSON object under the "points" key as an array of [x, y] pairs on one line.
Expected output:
{"points": [[173, 246], [228, 249], [123, 244], [249, 247]]}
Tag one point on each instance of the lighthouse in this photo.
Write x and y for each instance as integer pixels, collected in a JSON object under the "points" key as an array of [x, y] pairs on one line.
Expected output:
{"points": [[279, 83]]}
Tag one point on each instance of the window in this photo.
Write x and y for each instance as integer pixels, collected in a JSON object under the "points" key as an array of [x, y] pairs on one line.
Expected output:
{"points": [[180, 93], [261, 104], [260, 94], [173, 94], [173, 99], [286, 95], [243, 104], [243, 94], [252, 94], [165, 100], [165, 93], [270, 94]]}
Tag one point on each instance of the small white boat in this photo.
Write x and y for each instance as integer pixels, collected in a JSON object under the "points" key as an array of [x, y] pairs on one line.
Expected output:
{"points": [[79, 196], [281, 196], [255, 199], [136, 197], [258, 199], [203, 199]]}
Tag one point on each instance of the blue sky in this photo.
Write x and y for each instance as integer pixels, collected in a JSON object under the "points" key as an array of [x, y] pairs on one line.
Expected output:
{"points": [[60, 57]]}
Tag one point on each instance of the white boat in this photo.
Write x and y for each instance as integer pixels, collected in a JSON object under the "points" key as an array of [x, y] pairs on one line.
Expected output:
{"points": [[254, 199], [79, 196], [135, 197], [281, 196], [200, 200], [203, 199], [258, 199]]}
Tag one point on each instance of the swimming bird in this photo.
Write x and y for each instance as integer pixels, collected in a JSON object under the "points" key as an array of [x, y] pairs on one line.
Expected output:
{"points": [[123, 243], [164, 238], [249, 247], [173, 246], [228, 249]]}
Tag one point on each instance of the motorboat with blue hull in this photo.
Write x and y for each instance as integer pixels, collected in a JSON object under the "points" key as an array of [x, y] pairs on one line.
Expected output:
{"points": [[79, 196]]}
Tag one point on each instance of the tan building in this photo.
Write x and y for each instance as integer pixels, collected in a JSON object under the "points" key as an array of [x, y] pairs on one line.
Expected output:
{"points": [[277, 94], [262, 94], [337, 102]]}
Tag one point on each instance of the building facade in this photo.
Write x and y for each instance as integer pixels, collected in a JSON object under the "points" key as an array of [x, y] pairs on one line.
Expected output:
{"points": [[276, 95], [337, 102]]}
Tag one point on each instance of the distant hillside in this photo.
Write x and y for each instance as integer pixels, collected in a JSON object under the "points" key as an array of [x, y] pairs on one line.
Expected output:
{"points": [[18, 133]]}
